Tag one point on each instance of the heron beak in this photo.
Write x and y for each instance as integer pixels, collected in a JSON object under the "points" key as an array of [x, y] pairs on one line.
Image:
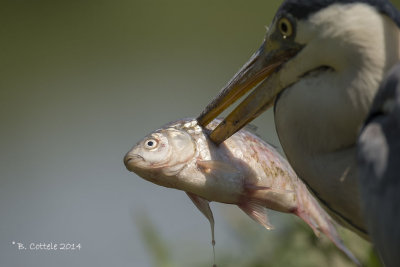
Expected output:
{"points": [[261, 67]]}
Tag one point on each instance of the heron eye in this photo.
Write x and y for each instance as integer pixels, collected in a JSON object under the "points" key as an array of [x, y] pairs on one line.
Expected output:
{"points": [[151, 144], [285, 27]]}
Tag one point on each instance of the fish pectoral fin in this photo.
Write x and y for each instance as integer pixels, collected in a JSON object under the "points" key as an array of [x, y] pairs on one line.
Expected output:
{"points": [[216, 167], [203, 205], [257, 212]]}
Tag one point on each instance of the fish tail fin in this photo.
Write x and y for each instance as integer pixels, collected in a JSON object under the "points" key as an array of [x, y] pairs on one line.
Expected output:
{"points": [[318, 219]]}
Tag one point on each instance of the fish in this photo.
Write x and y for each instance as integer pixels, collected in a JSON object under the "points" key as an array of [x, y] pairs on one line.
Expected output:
{"points": [[244, 170]]}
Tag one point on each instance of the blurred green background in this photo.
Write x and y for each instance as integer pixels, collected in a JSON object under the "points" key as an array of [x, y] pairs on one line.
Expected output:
{"points": [[83, 81]]}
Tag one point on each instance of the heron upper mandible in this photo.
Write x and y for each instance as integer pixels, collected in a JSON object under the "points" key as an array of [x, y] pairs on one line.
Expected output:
{"points": [[320, 66]]}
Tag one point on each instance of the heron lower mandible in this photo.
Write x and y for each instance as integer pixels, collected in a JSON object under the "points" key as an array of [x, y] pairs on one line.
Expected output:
{"points": [[320, 66]]}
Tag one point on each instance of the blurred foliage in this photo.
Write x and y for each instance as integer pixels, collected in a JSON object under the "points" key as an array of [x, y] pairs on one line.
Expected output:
{"points": [[156, 245], [292, 244]]}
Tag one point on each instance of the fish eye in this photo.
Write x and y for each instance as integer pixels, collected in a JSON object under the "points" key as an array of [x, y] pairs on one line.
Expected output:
{"points": [[285, 27], [150, 143]]}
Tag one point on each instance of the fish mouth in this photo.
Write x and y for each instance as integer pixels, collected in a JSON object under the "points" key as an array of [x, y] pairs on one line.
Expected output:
{"points": [[131, 160]]}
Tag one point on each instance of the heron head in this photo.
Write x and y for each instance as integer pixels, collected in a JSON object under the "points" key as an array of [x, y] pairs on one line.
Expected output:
{"points": [[304, 38]]}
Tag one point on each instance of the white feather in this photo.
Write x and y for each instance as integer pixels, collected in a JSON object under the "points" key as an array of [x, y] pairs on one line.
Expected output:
{"points": [[319, 114]]}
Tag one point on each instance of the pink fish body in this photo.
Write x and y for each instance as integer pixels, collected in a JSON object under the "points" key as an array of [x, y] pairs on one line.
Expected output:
{"points": [[244, 171]]}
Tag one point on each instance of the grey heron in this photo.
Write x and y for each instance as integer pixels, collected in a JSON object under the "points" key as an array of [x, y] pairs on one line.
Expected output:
{"points": [[320, 66], [379, 167]]}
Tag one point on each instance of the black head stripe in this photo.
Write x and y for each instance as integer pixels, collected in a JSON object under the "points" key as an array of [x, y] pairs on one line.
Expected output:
{"points": [[302, 9]]}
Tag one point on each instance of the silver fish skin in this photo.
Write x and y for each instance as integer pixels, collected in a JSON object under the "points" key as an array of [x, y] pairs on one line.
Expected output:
{"points": [[244, 170]]}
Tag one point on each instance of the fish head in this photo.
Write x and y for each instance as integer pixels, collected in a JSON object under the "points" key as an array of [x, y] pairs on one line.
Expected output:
{"points": [[161, 155]]}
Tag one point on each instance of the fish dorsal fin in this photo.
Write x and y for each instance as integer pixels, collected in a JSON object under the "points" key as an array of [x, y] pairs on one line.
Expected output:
{"points": [[204, 206], [251, 128], [257, 213], [216, 167]]}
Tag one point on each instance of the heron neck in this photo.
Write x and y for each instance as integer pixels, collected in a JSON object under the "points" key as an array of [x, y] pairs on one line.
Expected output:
{"points": [[318, 135]]}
